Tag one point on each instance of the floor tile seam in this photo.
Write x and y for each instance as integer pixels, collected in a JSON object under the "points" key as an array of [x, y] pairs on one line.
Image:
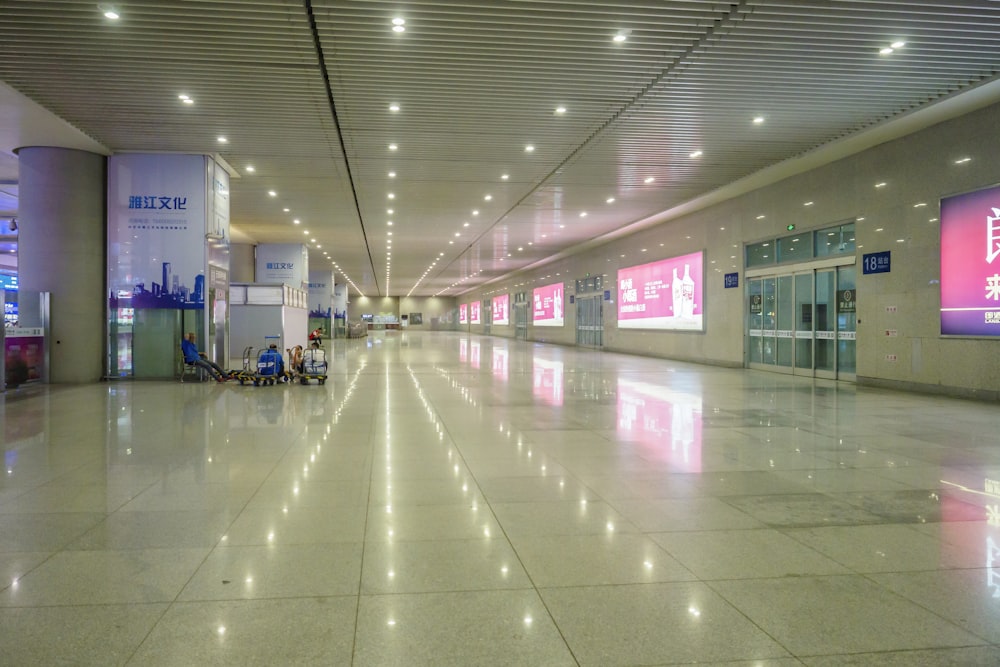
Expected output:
{"points": [[740, 612], [503, 531], [450, 591], [894, 652], [364, 524], [10, 584], [870, 577]]}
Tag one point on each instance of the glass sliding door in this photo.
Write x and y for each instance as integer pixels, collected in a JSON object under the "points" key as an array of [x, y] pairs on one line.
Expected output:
{"points": [[847, 322], [805, 317], [785, 324], [826, 324]]}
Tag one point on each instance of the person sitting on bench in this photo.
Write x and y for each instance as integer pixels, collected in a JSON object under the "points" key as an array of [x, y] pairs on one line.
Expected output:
{"points": [[195, 358]]}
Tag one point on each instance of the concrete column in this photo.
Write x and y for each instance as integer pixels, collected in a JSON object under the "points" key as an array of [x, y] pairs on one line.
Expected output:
{"points": [[61, 249], [241, 263]]}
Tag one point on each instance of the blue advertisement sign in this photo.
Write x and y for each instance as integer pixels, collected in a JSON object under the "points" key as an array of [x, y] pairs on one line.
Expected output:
{"points": [[875, 262], [732, 280]]}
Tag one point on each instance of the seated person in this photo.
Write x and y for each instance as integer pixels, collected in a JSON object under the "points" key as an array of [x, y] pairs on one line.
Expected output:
{"points": [[194, 357], [314, 360], [270, 362], [295, 358]]}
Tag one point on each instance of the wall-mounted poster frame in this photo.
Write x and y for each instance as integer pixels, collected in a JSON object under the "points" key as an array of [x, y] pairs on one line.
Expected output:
{"points": [[547, 305], [667, 294], [970, 263]]}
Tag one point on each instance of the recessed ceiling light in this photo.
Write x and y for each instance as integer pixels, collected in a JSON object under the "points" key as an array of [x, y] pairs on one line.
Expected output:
{"points": [[475, 213], [223, 140], [521, 248], [182, 96], [391, 196], [696, 154], [488, 198], [758, 120], [962, 160], [188, 100], [881, 185], [389, 222], [398, 28], [272, 193], [451, 243], [808, 203], [898, 45], [109, 12], [286, 210], [610, 200], [583, 214], [529, 148], [649, 179], [761, 217], [389, 233], [458, 233], [465, 224], [296, 221], [504, 177], [562, 226], [560, 110], [389, 211], [392, 174], [619, 37], [305, 232], [318, 246], [393, 147], [393, 107], [250, 168], [885, 51]]}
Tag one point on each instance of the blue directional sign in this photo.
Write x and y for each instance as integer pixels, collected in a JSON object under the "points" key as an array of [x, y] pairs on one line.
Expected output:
{"points": [[732, 280], [875, 262]]}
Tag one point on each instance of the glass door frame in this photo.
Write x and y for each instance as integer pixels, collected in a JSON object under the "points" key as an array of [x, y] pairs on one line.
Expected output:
{"points": [[774, 273]]}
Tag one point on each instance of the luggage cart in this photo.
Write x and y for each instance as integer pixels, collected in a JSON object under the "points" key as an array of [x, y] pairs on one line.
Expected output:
{"points": [[314, 366]]}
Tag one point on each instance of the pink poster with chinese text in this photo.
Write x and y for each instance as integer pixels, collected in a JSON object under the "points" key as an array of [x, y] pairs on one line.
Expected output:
{"points": [[501, 309], [667, 294], [476, 312], [970, 264], [547, 306]]}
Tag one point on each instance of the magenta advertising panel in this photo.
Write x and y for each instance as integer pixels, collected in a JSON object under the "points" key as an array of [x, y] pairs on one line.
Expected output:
{"points": [[476, 312], [547, 304], [970, 268], [463, 313], [501, 309], [666, 294]]}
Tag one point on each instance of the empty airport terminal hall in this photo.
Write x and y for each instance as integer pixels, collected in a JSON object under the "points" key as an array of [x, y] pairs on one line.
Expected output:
{"points": [[500, 332]]}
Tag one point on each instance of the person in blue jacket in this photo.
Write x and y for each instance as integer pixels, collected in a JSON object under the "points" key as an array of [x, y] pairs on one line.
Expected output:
{"points": [[193, 356]]}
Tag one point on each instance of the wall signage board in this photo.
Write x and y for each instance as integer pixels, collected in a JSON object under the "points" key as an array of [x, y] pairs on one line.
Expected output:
{"points": [[476, 308], [847, 301], [970, 264], [463, 313], [732, 280], [283, 263], [156, 231], [875, 262], [662, 295], [547, 308]]}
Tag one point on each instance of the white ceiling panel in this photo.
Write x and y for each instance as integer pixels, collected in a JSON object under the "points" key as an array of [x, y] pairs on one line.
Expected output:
{"points": [[312, 94]]}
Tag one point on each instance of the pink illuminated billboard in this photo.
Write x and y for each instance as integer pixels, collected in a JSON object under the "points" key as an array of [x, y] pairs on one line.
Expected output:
{"points": [[477, 317], [970, 264], [501, 309], [666, 294], [547, 306], [463, 313]]}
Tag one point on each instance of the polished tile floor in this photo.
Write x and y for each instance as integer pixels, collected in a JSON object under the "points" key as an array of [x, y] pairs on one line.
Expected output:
{"points": [[449, 499]]}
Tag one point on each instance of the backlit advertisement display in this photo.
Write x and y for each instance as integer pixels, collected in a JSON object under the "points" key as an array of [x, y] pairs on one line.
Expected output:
{"points": [[666, 294], [547, 306], [501, 310], [463, 313], [477, 316], [970, 268]]}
